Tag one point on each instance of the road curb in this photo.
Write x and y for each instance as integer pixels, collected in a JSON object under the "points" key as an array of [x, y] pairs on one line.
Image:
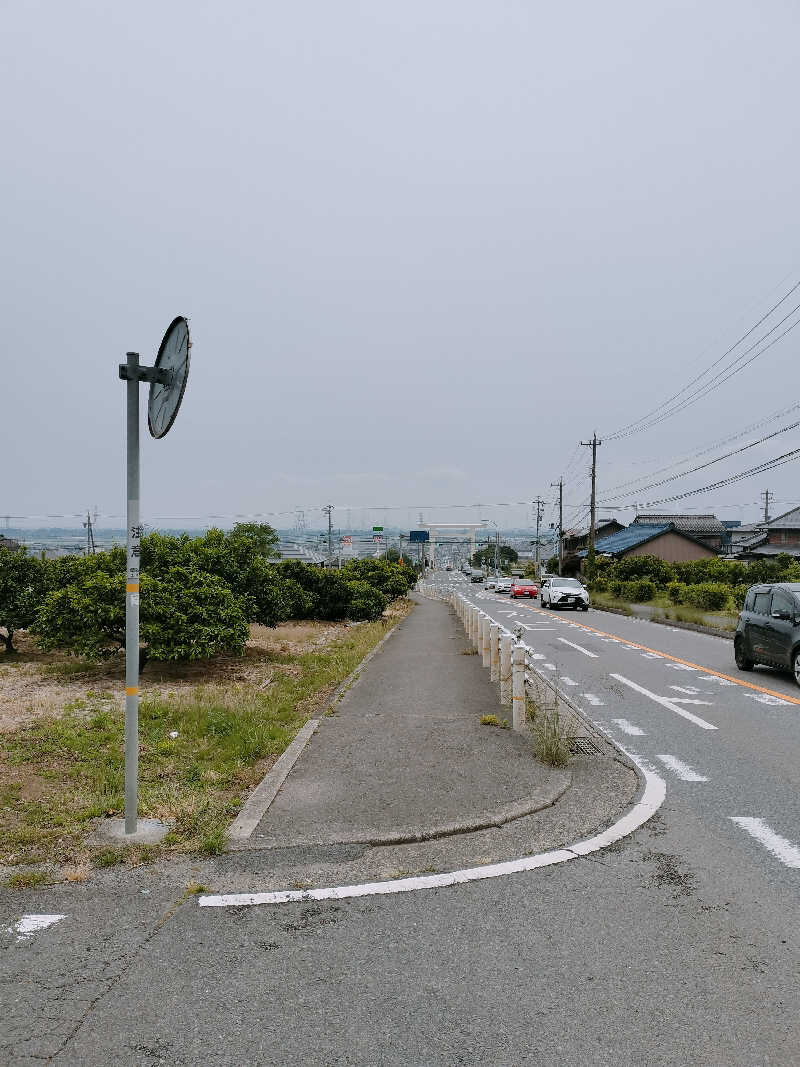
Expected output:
{"points": [[410, 836]]}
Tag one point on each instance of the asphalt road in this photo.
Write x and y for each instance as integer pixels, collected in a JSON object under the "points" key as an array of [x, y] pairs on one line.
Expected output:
{"points": [[678, 945]]}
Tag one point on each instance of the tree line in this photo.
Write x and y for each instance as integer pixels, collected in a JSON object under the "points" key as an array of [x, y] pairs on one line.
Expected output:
{"points": [[198, 594]]}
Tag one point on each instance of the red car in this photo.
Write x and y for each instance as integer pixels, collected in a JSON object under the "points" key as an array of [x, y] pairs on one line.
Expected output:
{"points": [[523, 587]]}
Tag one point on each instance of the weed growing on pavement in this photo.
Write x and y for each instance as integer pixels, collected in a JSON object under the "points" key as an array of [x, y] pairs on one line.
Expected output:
{"points": [[552, 738], [201, 750], [27, 880], [489, 720]]}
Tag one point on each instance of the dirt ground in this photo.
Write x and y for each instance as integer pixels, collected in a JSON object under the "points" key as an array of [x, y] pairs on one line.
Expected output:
{"points": [[35, 684]]}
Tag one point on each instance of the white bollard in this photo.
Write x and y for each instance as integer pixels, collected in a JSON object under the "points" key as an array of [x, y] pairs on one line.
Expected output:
{"points": [[494, 651], [486, 652], [473, 632], [506, 641], [518, 688]]}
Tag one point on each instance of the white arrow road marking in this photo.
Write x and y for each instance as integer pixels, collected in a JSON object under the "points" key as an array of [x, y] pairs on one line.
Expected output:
{"points": [[629, 728], [594, 701], [665, 702], [682, 770], [784, 850], [767, 698], [29, 925], [580, 648]]}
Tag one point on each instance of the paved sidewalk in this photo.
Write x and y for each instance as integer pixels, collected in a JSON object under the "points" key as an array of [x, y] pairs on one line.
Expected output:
{"points": [[405, 758]]}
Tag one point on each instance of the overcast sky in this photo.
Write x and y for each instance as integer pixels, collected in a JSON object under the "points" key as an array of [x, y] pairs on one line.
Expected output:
{"points": [[425, 249]]}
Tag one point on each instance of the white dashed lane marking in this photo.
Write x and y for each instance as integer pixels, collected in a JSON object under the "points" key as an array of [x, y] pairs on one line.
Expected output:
{"points": [[628, 728], [596, 702], [771, 701], [580, 648], [784, 850], [567, 681], [681, 770]]}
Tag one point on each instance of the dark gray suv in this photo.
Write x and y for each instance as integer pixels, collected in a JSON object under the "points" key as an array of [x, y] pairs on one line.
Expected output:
{"points": [[769, 628]]}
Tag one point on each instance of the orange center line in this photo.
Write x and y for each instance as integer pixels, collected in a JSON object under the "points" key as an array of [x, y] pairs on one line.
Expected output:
{"points": [[677, 659]]}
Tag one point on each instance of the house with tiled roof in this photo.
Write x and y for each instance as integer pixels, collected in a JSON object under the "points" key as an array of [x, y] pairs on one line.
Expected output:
{"points": [[664, 540], [705, 528], [576, 539], [779, 535]]}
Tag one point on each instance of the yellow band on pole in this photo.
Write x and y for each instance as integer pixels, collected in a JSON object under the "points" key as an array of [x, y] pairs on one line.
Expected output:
{"points": [[132, 587], [131, 690]]}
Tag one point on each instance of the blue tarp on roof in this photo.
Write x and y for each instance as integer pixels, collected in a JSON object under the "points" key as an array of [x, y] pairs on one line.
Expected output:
{"points": [[630, 537]]}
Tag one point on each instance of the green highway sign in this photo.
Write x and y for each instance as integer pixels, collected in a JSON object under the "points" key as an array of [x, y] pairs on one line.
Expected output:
{"points": [[377, 529]]}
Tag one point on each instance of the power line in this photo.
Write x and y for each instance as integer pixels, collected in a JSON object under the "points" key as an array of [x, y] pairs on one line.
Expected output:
{"points": [[710, 463], [635, 427], [761, 468]]}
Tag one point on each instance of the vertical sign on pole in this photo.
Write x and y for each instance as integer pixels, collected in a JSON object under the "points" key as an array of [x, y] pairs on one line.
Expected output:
{"points": [[167, 380]]}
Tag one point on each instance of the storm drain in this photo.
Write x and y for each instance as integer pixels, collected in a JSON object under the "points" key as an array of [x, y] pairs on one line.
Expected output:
{"points": [[584, 746]]}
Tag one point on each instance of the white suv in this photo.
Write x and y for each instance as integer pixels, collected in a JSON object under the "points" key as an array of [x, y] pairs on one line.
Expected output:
{"points": [[563, 593]]}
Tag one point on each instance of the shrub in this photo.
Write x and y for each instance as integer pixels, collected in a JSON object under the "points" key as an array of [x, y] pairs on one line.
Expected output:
{"points": [[738, 595], [708, 596], [22, 585], [366, 602], [615, 587], [644, 590], [644, 567], [599, 585], [184, 615], [676, 591]]}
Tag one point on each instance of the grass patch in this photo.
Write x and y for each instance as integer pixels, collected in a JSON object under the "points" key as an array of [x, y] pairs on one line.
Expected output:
{"points": [[661, 607], [27, 880], [61, 772]]}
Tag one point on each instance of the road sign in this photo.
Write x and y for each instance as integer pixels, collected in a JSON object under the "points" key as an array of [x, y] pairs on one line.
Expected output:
{"points": [[377, 537], [347, 540], [377, 529], [416, 536]]}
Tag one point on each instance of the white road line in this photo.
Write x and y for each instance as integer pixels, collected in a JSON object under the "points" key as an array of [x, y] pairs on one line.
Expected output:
{"points": [[769, 699], [784, 850], [567, 681], [689, 690], [537, 655], [596, 702], [537, 628], [629, 728], [580, 648], [681, 667], [29, 925], [550, 666], [652, 655], [652, 798], [682, 770], [670, 705]]}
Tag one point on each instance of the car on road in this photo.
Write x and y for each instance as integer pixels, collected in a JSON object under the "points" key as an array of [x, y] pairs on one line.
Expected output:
{"points": [[503, 585], [476, 576], [523, 587], [490, 582], [564, 593], [768, 630]]}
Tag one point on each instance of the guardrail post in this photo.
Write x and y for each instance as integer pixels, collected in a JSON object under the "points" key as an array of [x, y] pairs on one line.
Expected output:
{"points": [[518, 688], [494, 651], [505, 668], [485, 649], [473, 629]]}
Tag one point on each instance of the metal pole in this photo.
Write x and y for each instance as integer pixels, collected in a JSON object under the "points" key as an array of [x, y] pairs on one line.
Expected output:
{"points": [[132, 602]]}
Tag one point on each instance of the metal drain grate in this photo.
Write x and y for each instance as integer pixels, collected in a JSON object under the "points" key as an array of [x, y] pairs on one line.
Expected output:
{"points": [[584, 746]]}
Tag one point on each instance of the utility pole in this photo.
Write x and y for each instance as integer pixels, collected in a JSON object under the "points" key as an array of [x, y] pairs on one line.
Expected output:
{"points": [[90, 545], [765, 495], [560, 484], [328, 509], [590, 555], [539, 511]]}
